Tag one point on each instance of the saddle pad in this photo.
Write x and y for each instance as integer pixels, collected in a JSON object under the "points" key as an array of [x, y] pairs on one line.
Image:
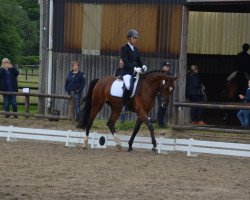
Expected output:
{"points": [[117, 90]]}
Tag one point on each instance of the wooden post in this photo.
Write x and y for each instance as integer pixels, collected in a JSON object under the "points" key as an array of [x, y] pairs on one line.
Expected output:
{"points": [[72, 106], [26, 75], [43, 53], [27, 105], [180, 113]]}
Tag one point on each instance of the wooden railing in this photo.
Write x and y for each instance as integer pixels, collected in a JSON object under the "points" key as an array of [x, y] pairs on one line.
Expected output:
{"points": [[210, 105], [27, 114]]}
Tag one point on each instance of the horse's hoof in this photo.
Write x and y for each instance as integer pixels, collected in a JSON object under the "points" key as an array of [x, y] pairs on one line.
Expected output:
{"points": [[130, 149], [119, 147], [84, 147], [154, 149]]}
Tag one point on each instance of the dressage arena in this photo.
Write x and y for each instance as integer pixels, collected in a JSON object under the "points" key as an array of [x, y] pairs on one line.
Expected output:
{"points": [[49, 170]]}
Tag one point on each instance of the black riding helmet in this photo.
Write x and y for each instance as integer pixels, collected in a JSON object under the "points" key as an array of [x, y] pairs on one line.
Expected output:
{"points": [[133, 33]]}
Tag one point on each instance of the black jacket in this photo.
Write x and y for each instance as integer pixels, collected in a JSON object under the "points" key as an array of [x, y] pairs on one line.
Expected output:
{"points": [[242, 62], [3, 83], [193, 86], [131, 59], [75, 82]]}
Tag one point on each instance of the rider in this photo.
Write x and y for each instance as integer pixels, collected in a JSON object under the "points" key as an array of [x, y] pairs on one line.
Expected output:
{"points": [[242, 63], [132, 63], [242, 68]]}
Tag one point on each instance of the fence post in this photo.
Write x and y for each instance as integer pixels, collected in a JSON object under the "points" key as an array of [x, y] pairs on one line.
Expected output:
{"points": [[27, 105], [72, 106], [26, 75]]}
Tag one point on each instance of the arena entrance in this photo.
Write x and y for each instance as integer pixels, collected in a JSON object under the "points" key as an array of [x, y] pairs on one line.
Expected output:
{"points": [[216, 33]]}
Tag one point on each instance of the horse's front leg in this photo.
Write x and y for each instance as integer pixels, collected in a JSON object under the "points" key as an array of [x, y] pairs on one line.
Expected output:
{"points": [[150, 126], [136, 129]]}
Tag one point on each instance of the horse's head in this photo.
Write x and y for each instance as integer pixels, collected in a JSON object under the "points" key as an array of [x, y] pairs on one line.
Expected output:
{"points": [[167, 88], [159, 79]]}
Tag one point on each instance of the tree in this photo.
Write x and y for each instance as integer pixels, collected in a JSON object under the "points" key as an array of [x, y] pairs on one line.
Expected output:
{"points": [[19, 34], [10, 39], [31, 35]]}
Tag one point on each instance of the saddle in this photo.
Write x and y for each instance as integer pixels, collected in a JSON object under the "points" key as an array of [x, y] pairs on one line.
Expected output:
{"points": [[118, 85]]}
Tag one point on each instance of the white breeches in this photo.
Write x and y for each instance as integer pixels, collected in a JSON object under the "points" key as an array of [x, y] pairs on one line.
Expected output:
{"points": [[126, 79]]}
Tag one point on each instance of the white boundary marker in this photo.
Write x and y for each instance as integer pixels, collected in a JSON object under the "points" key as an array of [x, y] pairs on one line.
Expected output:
{"points": [[97, 140]]}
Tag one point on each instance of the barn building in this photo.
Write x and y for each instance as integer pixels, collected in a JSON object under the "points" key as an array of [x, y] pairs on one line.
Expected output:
{"points": [[182, 32]]}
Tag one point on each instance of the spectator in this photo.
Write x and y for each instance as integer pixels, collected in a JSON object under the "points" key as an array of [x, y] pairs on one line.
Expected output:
{"points": [[242, 68], [242, 62], [243, 115], [161, 108], [8, 83], [132, 63], [195, 94], [118, 71], [74, 84]]}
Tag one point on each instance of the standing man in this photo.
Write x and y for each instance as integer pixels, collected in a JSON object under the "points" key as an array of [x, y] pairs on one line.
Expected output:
{"points": [[8, 83], [242, 68], [132, 63], [75, 83], [242, 61], [162, 108]]}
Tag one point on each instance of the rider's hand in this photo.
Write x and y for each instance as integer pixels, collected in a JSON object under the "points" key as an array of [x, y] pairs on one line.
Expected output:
{"points": [[138, 69], [144, 67]]}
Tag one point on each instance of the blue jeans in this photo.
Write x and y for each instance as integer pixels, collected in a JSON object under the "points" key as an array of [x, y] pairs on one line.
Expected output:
{"points": [[77, 105], [7, 100], [243, 116]]}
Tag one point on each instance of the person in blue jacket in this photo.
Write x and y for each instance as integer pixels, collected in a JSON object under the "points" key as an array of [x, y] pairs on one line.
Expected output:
{"points": [[8, 83], [75, 82], [194, 93], [244, 115]]}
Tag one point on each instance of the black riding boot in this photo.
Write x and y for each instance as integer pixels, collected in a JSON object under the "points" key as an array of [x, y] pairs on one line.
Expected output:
{"points": [[125, 99]]}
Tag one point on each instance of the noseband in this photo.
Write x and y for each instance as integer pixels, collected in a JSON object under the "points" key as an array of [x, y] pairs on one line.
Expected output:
{"points": [[165, 98]]}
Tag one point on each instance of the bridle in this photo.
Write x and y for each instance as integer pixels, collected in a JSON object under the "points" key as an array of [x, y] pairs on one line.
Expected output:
{"points": [[165, 98]]}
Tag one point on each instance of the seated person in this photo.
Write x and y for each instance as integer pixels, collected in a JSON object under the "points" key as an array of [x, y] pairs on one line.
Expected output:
{"points": [[244, 115]]}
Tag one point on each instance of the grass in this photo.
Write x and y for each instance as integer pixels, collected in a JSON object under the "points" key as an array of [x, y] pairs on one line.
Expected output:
{"points": [[127, 126]]}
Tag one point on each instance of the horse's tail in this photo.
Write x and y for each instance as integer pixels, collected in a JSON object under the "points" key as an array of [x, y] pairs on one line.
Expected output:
{"points": [[87, 106]]}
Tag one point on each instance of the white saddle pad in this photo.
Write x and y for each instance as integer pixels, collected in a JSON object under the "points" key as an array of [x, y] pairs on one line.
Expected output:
{"points": [[117, 90]]}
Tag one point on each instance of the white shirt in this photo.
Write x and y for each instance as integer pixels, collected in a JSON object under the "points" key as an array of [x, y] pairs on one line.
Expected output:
{"points": [[131, 46]]}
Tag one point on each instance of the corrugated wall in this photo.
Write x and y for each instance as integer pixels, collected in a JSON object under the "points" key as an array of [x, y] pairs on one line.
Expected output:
{"points": [[217, 33], [93, 34]]}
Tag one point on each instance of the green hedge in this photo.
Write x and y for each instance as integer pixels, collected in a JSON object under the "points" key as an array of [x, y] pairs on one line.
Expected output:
{"points": [[28, 60]]}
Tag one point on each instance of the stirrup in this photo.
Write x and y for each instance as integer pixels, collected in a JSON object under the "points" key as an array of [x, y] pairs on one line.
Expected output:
{"points": [[124, 110]]}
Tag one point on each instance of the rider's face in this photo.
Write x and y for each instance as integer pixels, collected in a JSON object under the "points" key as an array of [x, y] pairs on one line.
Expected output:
{"points": [[133, 40]]}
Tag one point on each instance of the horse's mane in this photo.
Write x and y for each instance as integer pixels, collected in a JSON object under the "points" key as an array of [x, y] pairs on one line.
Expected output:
{"points": [[152, 72]]}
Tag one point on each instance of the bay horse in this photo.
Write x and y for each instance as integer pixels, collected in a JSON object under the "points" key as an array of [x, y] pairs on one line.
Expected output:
{"points": [[234, 87], [237, 85], [143, 101]]}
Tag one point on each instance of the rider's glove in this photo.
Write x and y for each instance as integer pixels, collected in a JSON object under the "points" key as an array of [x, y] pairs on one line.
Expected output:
{"points": [[138, 69], [144, 67]]}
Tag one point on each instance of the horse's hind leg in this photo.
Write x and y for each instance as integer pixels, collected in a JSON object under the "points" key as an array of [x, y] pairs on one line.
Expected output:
{"points": [[136, 129], [111, 124], [94, 111]]}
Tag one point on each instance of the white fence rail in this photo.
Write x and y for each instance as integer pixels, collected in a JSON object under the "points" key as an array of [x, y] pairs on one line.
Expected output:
{"points": [[97, 140]]}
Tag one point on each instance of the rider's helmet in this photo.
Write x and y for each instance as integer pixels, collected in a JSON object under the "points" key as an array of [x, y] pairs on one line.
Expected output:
{"points": [[133, 33], [245, 47]]}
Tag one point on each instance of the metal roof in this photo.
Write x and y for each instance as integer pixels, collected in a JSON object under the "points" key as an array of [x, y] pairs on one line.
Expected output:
{"points": [[242, 6]]}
